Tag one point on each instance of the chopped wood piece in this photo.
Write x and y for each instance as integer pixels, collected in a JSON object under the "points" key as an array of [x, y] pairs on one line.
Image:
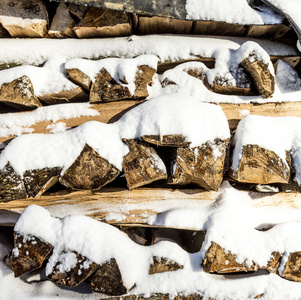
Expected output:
{"points": [[217, 260], [78, 11], [62, 23], [170, 140], [103, 23], [75, 95], [202, 165], [162, 264], [157, 25], [72, 276], [80, 78], [261, 166], [218, 28], [260, 75], [292, 269], [89, 171], [11, 184], [106, 89], [3, 32], [19, 93], [23, 18], [28, 254], [39, 181], [274, 31], [108, 279], [142, 165]]}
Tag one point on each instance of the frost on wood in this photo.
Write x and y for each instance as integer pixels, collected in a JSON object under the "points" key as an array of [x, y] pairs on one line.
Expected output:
{"points": [[22, 18], [28, 254], [108, 279], [162, 264], [292, 269], [142, 165], [19, 93], [89, 171]]}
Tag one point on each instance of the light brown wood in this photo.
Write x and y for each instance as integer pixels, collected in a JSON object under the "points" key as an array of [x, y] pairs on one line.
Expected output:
{"points": [[218, 28], [274, 32]]}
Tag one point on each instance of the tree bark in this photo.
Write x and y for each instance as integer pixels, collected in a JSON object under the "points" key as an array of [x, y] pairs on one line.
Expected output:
{"points": [[292, 270]]}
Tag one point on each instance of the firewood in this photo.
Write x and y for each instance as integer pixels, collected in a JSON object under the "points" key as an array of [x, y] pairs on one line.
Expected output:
{"points": [[292, 269], [106, 89], [108, 279], [142, 165], [202, 165], [89, 171], [157, 25], [28, 254], [274, 31], [260, 75], [80, 78], [162, 264], [30, 18], [72, 276], [11, 184], [62, 23], [19, 93], [218, 28], [38, 181], [3, 32], [170, 140], [78, 11], [218, 261], [261, 166], [103, 23]]}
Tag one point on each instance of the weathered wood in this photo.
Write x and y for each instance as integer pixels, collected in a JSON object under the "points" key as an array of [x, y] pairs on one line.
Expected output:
{"points": [[262, 166], [159, 25], [30, 18], [162, 264], [72, 276], [11, 184], [108, 279], [89, 171], [28, 254], [218, 28], [78, 11], [39, 181], [103, 23], [19, 93], [292, 269], [202, 165], [3, 32], [275, 31], [216, 260], [263, 80], [62, 23], [144, 78], [169, 140], [142, 165], [80, 78]]}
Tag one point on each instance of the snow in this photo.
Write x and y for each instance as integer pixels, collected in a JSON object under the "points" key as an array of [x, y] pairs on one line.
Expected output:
{"points": [[287, 77], [57, 127]]}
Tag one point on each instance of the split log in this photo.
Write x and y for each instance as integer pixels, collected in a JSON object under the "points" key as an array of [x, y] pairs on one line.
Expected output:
{"points": [[22, 18], [162, 264], [169, 140], [142, 165], [78, 11], [159, 25], [62, 23], [74, 274], [19, 93], [202, 165], [11, 184], [261, 166], [108, 279], [259, 73], [273, 32], [292, 269], [39, 181], [103, 23], [106, 89], [28, 254], [218, 28], [80, 78], [218, 261], [89, 171]]}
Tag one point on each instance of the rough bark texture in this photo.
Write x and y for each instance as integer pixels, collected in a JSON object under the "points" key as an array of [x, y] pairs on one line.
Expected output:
{"points": [[142, 165], [162, 264], [29, 254], [19, 93], [39, 181], [103, 23], [292, 270], [31, 17], [78, 11], [89, 171], [80, 78], [62, 23], [170, 140], [203, 165], [11, 184], [261, 166], [108, 279], [218, 28], [75, 275], [263, 80], [144, 77], [217, 261]]}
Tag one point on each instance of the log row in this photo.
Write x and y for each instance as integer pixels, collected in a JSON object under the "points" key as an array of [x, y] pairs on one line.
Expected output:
{"points": [[71, 20]]}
